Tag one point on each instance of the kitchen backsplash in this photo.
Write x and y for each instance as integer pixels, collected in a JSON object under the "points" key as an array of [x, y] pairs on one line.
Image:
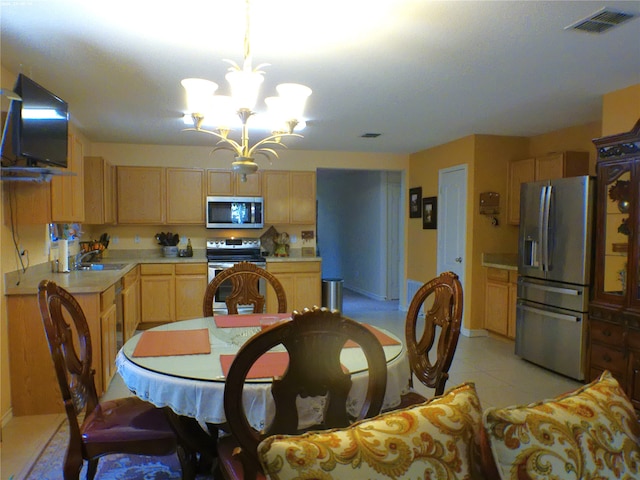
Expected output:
{"points": [[142, 237]]}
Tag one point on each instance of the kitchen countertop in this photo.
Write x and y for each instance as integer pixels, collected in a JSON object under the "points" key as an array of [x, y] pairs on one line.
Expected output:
{"points": [[506, 261], [87, 281]]}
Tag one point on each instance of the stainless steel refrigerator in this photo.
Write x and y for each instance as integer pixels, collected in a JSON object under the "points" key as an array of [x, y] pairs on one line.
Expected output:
{"points": [[554, 273]]}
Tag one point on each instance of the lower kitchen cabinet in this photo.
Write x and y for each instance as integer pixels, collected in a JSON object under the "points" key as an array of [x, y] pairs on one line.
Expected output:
{"points": [[108, 331], [131, 302], [171, 292], [301, 282], [191, 284], [34, 386], [500, 301]]}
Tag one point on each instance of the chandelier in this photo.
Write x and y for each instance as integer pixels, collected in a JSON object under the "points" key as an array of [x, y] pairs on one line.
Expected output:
{"points": [[284, 111]]}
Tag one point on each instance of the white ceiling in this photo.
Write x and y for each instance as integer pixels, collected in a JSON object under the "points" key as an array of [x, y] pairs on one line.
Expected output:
{"points": [[419, 72]]}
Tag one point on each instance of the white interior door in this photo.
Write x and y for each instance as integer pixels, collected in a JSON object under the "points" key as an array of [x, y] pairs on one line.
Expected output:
{"points": [[452, 220]]}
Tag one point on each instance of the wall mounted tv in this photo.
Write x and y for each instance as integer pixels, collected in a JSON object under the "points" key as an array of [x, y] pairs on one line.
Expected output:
{"points": [[40, 125]]}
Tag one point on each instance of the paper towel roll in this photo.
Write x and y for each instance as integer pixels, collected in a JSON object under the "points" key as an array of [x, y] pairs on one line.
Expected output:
{"points": [[64, 255]]}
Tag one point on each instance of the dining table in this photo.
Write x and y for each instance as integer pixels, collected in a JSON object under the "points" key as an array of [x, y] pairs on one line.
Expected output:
{"points": [[182, 366]]}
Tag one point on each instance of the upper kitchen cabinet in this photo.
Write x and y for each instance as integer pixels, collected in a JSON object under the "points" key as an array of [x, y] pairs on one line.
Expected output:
{"points": [[185, 196], [547, 167], [141, 195], [228, 183], [158, 196], [61, 201], [615, 309], [99, 189], [289, 197]]}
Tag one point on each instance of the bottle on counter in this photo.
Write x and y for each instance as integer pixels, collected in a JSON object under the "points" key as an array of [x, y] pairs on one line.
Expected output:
{"points": [[189, 248]]}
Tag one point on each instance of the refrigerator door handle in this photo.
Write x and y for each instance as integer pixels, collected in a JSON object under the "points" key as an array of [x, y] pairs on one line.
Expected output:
{"points": [[547, 313], [545, 227], [540, 249], [564, 291]]}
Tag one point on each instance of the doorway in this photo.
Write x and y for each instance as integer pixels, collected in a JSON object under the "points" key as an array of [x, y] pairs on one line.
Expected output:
{"points": [[359, 229]]}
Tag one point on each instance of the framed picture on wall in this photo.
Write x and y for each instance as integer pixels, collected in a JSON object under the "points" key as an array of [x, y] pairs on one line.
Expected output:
{"points": [[430, 213], [415, 201]]}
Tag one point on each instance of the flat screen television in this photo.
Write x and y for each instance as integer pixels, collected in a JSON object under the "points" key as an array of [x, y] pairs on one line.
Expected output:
{"points": [[40, 125]]}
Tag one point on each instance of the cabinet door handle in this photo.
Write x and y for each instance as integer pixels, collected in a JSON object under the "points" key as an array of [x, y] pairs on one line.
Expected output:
{"points": [[606, 358]]}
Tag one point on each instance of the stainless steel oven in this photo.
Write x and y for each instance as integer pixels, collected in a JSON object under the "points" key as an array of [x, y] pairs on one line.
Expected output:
{"points": [[223, 253]]}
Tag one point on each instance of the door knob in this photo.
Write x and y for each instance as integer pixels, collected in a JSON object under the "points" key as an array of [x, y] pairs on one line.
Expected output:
{"points": [[458, 259]]}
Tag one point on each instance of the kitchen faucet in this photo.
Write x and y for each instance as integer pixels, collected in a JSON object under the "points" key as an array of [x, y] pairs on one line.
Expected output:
{"points": [[81, 255]]}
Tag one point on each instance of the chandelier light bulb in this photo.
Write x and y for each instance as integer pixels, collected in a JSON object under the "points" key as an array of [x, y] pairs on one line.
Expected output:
{"points": [[200, 94], [245, 86]]}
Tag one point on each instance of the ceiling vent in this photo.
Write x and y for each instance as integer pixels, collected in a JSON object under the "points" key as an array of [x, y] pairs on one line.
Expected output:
{"points": [[601, 21]]}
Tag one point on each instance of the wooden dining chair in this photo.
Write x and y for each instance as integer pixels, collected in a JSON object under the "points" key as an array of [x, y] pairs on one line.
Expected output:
{"points": [[442, 301], [244, 277], [125, 425], [313, 340]]}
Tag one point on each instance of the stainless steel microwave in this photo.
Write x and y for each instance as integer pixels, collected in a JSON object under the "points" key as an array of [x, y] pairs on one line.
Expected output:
{"points": [[235, 212]]}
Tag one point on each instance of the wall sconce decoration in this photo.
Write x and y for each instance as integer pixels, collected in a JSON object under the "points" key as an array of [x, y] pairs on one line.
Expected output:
{"points": [[490, 205]]}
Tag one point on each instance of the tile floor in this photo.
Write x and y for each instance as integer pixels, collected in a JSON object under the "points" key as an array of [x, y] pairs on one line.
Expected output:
{"points": [[500, 377]]}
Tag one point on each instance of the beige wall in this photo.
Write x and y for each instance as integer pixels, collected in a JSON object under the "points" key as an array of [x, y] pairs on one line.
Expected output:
{"points": [[486, 157], [620, 110]]}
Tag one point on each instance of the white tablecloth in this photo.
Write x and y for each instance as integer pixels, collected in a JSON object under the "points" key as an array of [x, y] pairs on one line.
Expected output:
{"points": [[193, 385]]}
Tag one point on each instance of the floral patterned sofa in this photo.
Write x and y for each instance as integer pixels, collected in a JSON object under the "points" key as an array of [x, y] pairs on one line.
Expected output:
{"points": [[590, 433]]}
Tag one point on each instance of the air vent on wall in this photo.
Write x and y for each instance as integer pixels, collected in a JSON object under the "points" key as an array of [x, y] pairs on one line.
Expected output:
{"points": [[601, 21]]}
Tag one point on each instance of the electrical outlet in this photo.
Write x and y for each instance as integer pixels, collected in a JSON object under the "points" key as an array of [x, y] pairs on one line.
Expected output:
{"points": [[136, 239], [293, 238], [115, 239]]}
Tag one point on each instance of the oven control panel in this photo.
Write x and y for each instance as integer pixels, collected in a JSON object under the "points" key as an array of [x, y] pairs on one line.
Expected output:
{"points": [[233, 243]]}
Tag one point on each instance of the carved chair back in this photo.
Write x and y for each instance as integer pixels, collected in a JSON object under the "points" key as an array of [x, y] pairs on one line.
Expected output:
{"points": [[244, 277]]}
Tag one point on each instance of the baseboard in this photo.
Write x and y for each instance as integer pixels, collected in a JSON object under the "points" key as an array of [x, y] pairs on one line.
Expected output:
{"points": [[365, 293], [480, 332], [6, 418]]}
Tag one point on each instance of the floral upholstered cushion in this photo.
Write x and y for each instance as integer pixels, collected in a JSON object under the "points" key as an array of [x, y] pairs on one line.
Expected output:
{"points": [[437, 439], [592, 433]]}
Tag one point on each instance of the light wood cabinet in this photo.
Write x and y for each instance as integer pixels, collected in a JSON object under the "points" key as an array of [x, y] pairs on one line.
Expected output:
{"points": [[191, 283], [185, 196], [158, 196], [131, 302], [34, 386], [67, 191], [546, 167], [301, 282], [157, 293], [171, 292], [108, 336], [289, 197], [500, 301], [141, 195], [228, 183], [58, 201], [99, 187]]}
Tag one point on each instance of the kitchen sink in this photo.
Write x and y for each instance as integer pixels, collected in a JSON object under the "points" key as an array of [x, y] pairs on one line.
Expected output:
{"points": [[101, 266]]}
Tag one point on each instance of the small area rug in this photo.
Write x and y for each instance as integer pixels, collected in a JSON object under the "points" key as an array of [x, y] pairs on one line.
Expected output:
{"points": [[111, 467]]}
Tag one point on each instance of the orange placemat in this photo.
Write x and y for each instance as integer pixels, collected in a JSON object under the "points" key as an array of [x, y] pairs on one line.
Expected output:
{"points": [[271, 364], [382, 337], [164, 343], [247, 320]]}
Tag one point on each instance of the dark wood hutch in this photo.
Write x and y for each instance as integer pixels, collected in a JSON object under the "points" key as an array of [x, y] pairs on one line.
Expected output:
{"points": [[614, 312]]}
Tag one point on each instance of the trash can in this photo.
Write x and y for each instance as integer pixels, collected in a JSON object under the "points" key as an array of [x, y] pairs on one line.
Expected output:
{"points": [[332, 293]]}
